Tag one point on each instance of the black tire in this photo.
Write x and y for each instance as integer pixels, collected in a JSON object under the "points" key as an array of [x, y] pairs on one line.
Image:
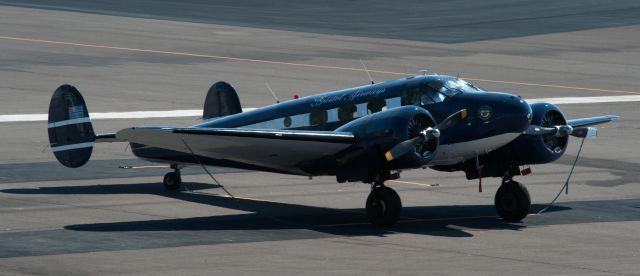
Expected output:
{"points": [[172, 181], [512, 201], [383, 206]]}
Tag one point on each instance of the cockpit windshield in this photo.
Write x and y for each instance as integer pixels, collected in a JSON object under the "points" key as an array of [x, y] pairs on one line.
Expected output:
{"points": [[449, 87], [457, 86]]}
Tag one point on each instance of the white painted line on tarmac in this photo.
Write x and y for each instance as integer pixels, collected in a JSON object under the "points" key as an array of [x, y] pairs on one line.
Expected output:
{"points": [[587, 100], [14, 118]]}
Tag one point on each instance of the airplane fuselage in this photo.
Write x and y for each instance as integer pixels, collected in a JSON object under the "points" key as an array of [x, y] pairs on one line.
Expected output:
{"points": [[495, 119]]}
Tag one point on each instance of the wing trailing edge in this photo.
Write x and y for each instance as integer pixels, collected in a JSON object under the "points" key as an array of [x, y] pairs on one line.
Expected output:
{"points": [[282, 150]]}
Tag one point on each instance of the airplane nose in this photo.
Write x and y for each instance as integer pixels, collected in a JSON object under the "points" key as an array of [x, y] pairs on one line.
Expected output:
{"points": [[513, 113], [520, 113]]}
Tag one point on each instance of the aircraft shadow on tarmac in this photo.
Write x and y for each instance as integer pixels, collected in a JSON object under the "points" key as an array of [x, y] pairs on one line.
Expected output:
{"points": [[450, 221]]}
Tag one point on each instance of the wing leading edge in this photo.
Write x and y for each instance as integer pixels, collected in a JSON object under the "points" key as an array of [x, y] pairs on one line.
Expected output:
{"points": [[284, 150], [584, 122]]}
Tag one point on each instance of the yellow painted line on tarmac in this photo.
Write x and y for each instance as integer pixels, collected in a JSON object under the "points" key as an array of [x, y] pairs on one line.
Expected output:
{"points": [[147, 167], [344, 224], [255, 199], [190, 54], [405, 220], [43, 41], [414, 183]]}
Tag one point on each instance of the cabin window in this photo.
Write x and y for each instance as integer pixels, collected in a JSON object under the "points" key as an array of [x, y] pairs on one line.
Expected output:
{"points": [[318, 117], [347, 112], [376, 105]]}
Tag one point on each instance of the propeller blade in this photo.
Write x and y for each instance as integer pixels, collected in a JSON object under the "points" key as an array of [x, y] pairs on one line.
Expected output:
{"points": [[403, 148], [537, 130], [585, 132], [452, 120], [562, 131]]}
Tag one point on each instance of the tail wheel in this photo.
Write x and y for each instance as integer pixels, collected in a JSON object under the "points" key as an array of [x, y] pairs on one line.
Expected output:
{"points": [[383, 206], [172, 181], [512, 201]]}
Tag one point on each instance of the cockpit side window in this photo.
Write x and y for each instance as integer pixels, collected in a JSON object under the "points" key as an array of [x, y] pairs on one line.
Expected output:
{"points": [[436, 91], [426, 93], [411, 96]]}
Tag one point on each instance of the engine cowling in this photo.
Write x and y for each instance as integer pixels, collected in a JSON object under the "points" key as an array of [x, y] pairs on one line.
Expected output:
{"points": [[379, 132], [539, 149]]}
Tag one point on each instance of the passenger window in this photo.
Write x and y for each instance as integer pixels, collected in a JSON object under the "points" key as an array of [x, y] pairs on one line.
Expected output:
{"points": [[376, 105], [347, 112], [318, 117]]}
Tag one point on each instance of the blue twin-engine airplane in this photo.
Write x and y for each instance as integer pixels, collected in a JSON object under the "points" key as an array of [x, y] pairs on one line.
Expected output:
{"points": [[365, 134]]}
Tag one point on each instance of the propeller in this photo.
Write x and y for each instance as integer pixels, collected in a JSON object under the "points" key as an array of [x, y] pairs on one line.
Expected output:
{"points": [[562, 131], [425, 135]]}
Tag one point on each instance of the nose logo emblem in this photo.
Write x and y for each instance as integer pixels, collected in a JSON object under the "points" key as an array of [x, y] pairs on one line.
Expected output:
{"points": [[484, 112]]}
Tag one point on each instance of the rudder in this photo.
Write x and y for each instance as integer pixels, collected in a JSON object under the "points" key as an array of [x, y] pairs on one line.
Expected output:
{"points": [[71, 134], [222, 100]]}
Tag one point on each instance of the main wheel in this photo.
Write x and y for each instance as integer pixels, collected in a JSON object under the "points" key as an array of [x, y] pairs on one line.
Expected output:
{"points": [[383, 206], [172, 181], [512, 201]]}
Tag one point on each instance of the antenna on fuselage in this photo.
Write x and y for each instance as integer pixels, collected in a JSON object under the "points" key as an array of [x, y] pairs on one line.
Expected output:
{"points": [[367, 70], [273, 94]]}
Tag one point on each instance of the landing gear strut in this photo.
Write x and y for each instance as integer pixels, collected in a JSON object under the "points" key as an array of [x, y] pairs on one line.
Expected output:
{"points": [[172, 180], [383, 205], [512, 200]]}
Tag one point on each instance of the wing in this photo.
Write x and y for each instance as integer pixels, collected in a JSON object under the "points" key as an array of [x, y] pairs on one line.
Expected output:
{"points": [[584, 122], [284, 150]]}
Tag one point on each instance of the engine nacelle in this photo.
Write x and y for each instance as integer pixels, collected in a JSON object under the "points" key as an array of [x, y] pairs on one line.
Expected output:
{"points": [[540, 149], [379, 132]]}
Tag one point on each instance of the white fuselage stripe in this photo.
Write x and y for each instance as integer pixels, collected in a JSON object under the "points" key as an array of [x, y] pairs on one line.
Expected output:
{"points": [[12, 118], [73, 146], [70, 122]]}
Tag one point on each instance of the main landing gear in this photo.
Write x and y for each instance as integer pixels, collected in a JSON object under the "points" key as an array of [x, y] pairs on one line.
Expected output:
{"points": [[172, 180], [383, 205], [512, 200]]}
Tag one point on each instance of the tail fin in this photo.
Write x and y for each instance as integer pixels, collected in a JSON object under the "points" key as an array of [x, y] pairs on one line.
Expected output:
{"points": [[70, 130], [222, 100]]}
